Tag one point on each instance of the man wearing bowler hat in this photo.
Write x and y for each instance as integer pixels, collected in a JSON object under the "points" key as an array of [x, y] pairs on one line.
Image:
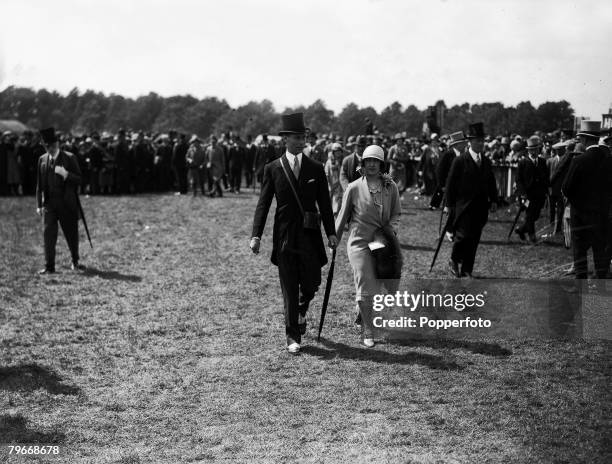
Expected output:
{"points": [[351, 164], [588, 189], [58, 177], [532, 181], [470, 192], [299, 185]]}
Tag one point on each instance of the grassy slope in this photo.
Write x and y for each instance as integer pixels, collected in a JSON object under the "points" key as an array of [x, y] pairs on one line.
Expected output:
{"points": [[171, 349]]}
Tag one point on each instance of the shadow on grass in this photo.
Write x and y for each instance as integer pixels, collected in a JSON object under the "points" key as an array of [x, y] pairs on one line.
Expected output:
{"points": [[343, 351], [14, 430], [111, 275], [490, 349], [502, 243], [31, 377], [405, 246]]}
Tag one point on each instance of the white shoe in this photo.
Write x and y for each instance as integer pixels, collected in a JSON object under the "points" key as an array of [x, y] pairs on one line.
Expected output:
{"points": [[368, 342], [294, 348]]}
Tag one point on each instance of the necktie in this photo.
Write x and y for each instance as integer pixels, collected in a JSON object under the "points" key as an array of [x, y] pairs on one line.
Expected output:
{"points": [[296, 168], [478, 159]]}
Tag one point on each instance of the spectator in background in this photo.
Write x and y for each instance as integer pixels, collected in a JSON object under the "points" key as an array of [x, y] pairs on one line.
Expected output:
{"points": [[235, 162], [532, 182], [332, 172], [351, 164], [196, 163], [249, 159], [215, 163], [556, 203], [179, 164], [588, 189]]}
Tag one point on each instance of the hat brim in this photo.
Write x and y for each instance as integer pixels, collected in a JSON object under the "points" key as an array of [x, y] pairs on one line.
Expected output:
{"points": [[450, 144], [306, 129], [589, 133]]}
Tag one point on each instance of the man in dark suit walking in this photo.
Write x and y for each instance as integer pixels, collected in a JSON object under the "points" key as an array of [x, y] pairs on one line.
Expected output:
{"points": [[58, 177], [588, 188], [352, 163], [532, 180], [299, 185], [470, 192]]}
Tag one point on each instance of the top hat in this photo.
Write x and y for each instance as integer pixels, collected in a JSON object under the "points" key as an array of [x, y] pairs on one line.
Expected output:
{"points": [[456, 137], [48, 135], [476, 131], [534, 142], [293, 124], [590, 128]]}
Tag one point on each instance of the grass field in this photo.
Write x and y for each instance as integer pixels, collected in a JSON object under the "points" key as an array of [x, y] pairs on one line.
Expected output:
{"points": [[170, 348]]}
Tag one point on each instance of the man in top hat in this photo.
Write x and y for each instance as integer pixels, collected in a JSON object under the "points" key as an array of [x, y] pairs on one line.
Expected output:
{"points": [[588, 189], [297, 244], [532, 182], [470, 192], [351, 164], [58, 178]]}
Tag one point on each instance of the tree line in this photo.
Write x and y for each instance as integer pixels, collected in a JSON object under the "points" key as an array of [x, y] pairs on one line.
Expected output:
{"points": [[83, 112]]}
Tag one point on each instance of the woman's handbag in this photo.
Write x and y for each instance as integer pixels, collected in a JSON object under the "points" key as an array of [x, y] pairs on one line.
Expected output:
{"points": [[388, 258]]}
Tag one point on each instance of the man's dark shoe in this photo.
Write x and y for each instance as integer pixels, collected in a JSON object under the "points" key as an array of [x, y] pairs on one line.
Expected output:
{"points": [[358, 320], [46, 271], [521, 234], [77, 267], [453, 267]]}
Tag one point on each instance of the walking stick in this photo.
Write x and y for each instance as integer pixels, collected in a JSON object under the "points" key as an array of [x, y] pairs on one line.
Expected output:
{"points": [[330, 278], [84, 221], [442, 203], [516, 218], [440, 240]]}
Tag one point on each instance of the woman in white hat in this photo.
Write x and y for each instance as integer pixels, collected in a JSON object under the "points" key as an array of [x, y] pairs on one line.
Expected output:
{"points": [[370, 203]]}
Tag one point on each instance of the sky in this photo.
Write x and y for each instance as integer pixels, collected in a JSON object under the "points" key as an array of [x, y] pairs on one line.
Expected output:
{"points": [[369, 52]]}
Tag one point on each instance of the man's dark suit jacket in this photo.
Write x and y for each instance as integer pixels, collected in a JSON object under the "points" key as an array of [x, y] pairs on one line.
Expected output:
{"points": [[470, 185], [444, 165], [532, 179], [312, 190], [348, 171], [588, 183], [69, 186], [559, 173]]}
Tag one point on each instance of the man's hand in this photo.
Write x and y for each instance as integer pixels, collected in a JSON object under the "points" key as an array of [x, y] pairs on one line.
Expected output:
{"points": [[254, 245], [61, 170], [332, 242], [447, 209], [39, 211]]}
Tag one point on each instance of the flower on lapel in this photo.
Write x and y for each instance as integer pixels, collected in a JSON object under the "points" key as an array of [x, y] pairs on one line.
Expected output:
{"points": [[386, 178]]}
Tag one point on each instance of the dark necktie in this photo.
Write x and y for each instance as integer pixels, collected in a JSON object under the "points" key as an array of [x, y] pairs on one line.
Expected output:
{"points": [[296, 168]]}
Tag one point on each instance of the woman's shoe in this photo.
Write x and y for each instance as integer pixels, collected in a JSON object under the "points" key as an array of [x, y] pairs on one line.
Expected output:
{"points": [[368, 342]]}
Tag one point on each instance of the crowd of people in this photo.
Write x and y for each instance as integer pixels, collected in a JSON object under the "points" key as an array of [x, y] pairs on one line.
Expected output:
{"points": [[355, 183], [130, 162]]}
